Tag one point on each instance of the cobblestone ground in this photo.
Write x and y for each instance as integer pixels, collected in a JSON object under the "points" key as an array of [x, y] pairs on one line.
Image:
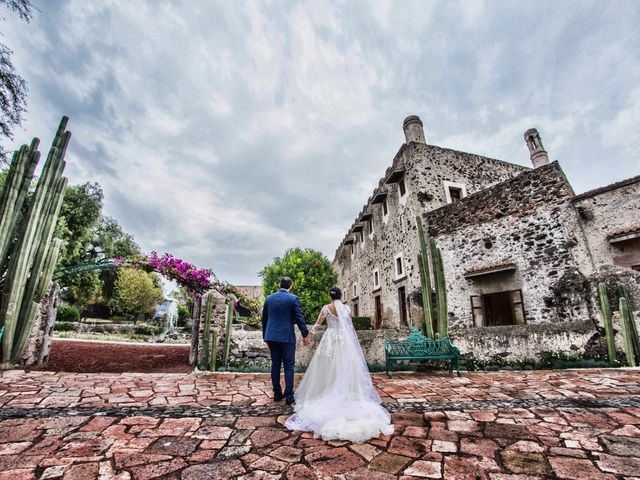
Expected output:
{"points": [[582, 424]]}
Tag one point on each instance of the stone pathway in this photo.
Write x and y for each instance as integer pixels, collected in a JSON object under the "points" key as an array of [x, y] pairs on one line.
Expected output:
{"points": [[581, 424]]}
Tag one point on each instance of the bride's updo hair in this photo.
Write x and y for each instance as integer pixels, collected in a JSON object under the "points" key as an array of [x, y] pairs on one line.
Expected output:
{"points": [[335, 293]]}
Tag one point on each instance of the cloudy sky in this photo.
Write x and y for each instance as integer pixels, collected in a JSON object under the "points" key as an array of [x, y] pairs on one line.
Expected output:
{"points": [[226, 132]]}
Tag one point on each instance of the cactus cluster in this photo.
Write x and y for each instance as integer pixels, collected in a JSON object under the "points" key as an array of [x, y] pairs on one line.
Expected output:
{"points": [[437, 309], [629, 327], [628, 323], [28, 251], [209, 350], [608, 324]]}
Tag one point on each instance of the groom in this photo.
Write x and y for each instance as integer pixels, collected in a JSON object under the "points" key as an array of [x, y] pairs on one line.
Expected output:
{"points": [[281, 310]]}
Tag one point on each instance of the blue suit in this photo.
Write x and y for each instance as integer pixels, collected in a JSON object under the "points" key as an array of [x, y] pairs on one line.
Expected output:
{"points": [[280, 312]]}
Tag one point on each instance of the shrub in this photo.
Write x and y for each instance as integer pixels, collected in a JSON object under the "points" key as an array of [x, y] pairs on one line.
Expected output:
{"points": [[361, 323], [65, 326], [148, 330], [144, 330], [119, 319], [67, 313]]}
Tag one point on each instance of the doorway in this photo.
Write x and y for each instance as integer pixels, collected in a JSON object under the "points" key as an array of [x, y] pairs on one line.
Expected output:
{"points": [[402, 304], [378, 312]]}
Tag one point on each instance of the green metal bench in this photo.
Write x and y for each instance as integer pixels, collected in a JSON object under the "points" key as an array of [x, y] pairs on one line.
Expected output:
{"points": [[418, 347]]}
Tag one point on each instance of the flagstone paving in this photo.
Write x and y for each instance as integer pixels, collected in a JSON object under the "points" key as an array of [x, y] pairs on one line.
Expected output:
{"points": [[572, 424]]}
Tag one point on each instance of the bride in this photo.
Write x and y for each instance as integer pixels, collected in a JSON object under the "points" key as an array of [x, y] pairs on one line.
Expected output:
{"points": [[336, 398]]}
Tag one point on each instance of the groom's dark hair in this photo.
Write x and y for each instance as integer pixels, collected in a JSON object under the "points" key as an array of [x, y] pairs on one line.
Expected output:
{"points": [[286, 282]]}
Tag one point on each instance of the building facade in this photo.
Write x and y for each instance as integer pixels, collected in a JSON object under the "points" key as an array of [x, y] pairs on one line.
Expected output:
{"points": [[521, 251]]}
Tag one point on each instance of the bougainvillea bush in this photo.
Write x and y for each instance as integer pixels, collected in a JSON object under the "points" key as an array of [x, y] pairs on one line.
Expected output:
{"points": [[194, 280]]}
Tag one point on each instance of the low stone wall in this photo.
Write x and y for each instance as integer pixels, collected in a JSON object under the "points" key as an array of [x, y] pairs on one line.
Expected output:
{"points": [[527, 341], [247, 346]]}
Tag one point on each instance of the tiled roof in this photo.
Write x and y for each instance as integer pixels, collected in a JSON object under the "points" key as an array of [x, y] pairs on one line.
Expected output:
{"points": [[506, 266], [627, 233]]}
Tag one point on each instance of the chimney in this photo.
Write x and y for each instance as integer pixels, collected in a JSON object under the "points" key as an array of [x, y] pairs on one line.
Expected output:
{"points": [[413, 131], [537, 152]]}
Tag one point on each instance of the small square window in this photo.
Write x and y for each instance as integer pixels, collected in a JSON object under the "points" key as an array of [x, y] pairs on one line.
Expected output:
{"points": [[454, 192], [399, 265]]}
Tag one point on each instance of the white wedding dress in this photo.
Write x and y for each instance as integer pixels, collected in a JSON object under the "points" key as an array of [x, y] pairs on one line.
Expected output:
{"points": [[336, 398]]}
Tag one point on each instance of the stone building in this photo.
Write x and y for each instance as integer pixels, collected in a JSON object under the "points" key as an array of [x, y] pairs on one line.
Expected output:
{"points": [[521, 252]]}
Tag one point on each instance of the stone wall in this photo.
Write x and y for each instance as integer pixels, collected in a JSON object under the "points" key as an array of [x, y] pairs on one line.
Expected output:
{"points": [[526, 341], [248, 348], [604, 212]]}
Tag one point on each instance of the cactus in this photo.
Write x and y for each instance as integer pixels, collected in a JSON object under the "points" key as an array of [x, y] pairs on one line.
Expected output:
{"points": [[26, 246], [206, 334], [441, 289], [608, 324], [627, 328], [214, 351], [635, 340], [227, 335], [14, 194], [425, 282]]}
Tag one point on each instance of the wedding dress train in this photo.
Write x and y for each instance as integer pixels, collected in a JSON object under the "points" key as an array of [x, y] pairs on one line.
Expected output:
{"points": [[336, 398]]}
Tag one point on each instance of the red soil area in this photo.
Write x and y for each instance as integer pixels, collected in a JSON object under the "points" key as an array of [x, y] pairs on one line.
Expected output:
{"points": [[98, 357]]}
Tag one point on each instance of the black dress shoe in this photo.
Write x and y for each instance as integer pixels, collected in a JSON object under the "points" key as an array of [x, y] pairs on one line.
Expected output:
{"points": [[277, 397], [290, 400]]}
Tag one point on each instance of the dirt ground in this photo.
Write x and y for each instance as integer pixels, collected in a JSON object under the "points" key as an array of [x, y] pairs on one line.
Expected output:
{"points": [[89, 357]]}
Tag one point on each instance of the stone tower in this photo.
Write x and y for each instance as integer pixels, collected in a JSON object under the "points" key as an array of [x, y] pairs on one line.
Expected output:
{"points": [[413, 131], [537, 153]]}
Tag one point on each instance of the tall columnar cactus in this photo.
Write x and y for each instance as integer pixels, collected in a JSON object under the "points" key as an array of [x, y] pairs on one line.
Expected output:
{"points": [[425, 282], [608, 324], [633, 332], [206, 334], [214, 351], [627, 328], [26, 247], [441, 289], [14, 194], [227, 335]]}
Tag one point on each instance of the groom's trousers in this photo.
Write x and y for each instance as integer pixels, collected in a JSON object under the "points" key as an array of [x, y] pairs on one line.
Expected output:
{"points": [[282, 353]]}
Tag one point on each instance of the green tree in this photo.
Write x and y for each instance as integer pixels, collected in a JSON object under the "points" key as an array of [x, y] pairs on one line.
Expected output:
{"points": [[136, 293], [78, 218], [110, 241], [312, 276]]}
